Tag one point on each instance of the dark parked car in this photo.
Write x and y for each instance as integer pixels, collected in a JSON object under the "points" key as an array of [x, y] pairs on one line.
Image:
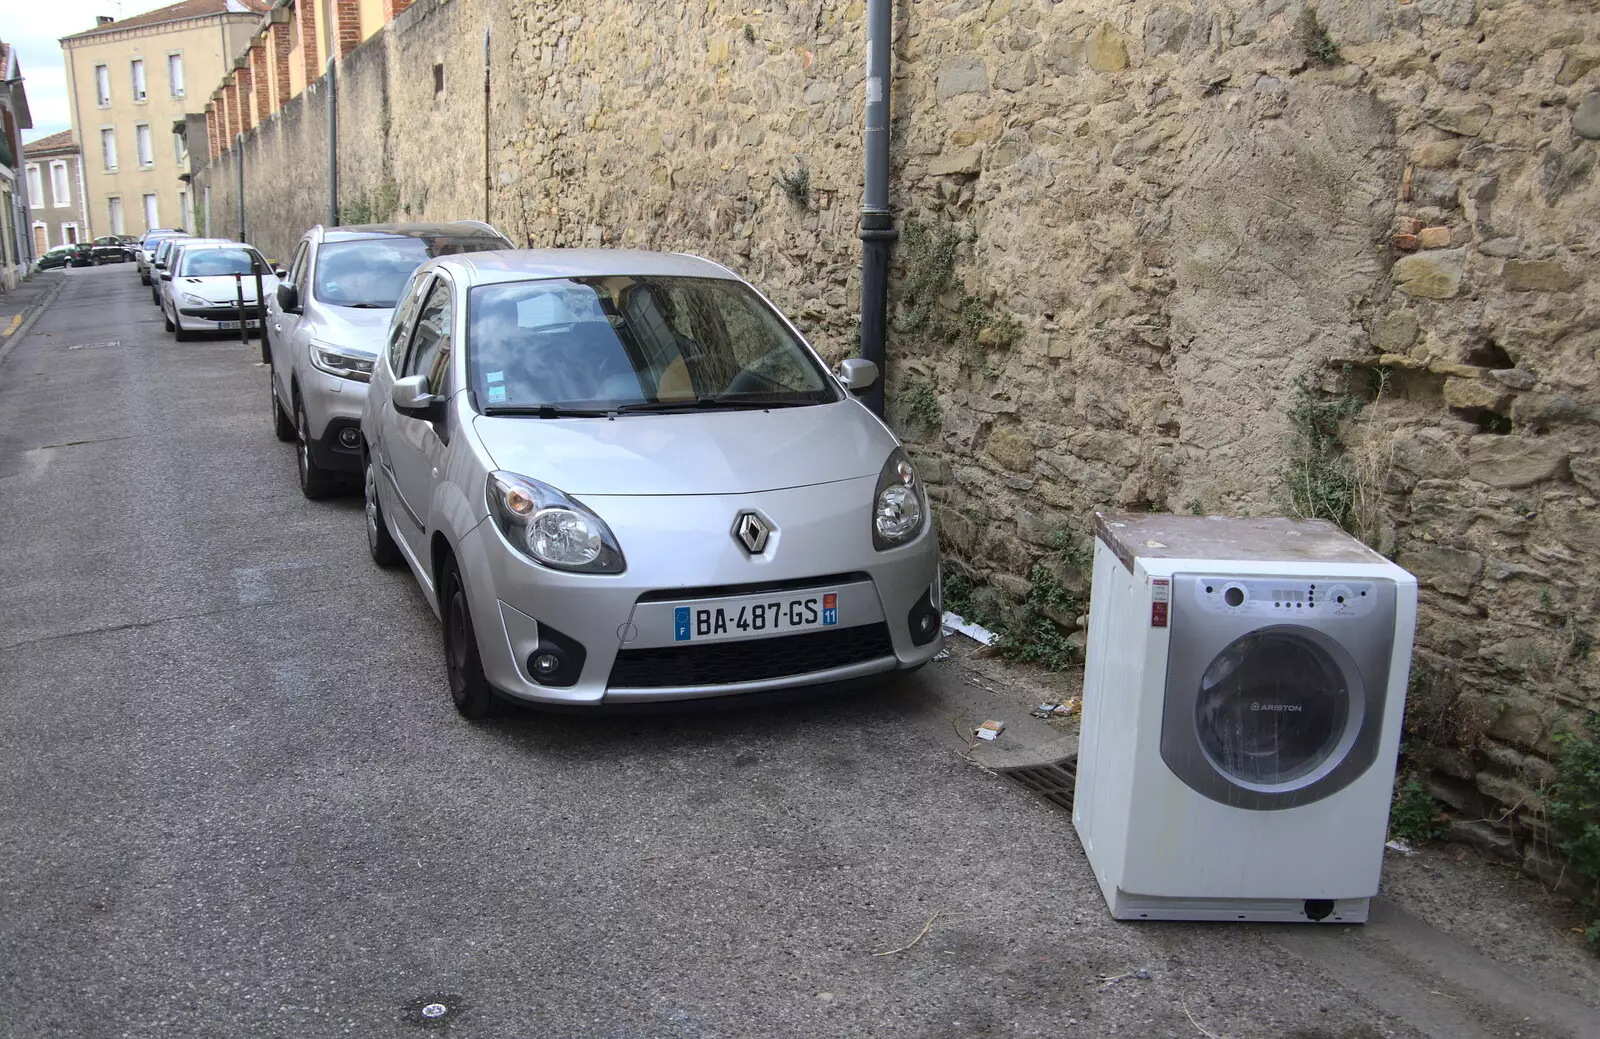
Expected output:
{"points": [[110, 249], [59, 256]]}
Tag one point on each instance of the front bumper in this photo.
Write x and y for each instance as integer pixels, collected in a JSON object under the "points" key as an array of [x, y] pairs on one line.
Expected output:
{"points": [[333, 405], [684, 554]]}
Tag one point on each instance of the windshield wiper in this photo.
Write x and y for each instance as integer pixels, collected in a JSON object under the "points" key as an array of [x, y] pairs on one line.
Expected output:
{"points": [[545, 411], [366, 306], [711, 404]]}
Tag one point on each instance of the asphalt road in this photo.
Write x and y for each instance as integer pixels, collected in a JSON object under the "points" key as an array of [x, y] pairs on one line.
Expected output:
{"points": [[235, 799]]}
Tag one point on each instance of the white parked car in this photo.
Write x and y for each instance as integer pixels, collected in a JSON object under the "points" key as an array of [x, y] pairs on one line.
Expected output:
{"points": [[204, 283], [624, 476]]}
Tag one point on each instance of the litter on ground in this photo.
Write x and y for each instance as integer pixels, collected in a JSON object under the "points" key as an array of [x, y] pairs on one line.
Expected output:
{"points": [[989, 730], [977, 633], [1064, 709]]}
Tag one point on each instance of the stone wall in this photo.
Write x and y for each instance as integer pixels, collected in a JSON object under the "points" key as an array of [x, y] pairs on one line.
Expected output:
{"points": [[1143, 239]]}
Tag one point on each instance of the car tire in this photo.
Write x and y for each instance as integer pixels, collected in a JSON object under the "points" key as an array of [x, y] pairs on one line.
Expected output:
{"points": [[180, 333], [315, 482], [144, 279], [474, 697], [380, 543], [282, 424], [167, 321]]}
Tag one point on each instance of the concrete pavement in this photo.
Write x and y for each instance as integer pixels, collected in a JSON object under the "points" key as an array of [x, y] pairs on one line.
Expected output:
{"points": [[235, 799]]}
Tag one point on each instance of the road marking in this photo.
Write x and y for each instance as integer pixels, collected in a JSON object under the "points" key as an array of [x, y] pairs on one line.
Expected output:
{"points": [[14, 323]]}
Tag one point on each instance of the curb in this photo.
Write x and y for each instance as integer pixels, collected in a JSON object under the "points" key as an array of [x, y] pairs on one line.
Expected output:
{"points": [[29, 320]]}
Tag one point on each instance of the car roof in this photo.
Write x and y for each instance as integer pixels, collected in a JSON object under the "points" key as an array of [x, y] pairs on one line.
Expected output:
{"points": [[485, 268], [453, 229]]}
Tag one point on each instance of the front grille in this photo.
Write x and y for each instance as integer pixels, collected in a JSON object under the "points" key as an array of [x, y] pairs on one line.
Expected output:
{"points": [[223, 313], [717, 591], [720, 663]]}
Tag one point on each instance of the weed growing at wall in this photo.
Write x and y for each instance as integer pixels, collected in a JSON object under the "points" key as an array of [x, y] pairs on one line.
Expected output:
{"points": [[749, 33], [1572, 804], [1313, 36], [925, 289], [918, 406], [1031, 636], [796, 186], [377, 208], [1321, 482], [1415, 815]]}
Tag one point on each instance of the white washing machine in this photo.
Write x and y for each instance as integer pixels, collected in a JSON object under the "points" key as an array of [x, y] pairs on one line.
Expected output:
{"points": [[1243, 689]]}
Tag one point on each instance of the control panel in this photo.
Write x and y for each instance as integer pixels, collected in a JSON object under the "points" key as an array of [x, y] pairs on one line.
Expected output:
{"points": [[1285, 598]]}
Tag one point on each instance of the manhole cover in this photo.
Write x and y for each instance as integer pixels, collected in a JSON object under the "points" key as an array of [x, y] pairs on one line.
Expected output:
{"points": [[1053, 782], [435, 1011]]}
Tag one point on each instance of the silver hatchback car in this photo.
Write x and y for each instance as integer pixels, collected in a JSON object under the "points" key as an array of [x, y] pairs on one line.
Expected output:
{"points": [[625, 476]]}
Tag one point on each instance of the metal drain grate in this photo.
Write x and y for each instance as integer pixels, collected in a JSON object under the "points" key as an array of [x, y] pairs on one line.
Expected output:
{"points": [[1053, 782]]}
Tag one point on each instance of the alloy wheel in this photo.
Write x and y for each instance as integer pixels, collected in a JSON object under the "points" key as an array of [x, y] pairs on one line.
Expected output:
{"points": [[456, 633]]}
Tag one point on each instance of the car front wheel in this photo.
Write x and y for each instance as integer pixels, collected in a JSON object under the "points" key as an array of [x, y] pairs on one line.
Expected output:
{"points": [[282, 425], [315, 481], [380, 543], [469, 687], [180, 333]]}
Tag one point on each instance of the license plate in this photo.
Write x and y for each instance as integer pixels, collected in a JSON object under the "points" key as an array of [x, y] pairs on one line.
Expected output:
{"points": [[234, 325], [755, 617]]}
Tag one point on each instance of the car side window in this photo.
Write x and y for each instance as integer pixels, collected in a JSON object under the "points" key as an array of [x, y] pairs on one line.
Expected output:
{"points": [[430, 344], [401, 324], [297, 269]]}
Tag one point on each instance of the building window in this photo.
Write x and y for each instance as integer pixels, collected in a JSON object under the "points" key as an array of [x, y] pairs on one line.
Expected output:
{"points": [[141, 140], [69, 233], [138, 79], [175, 74], [108, 148], [60, 184], [179, 152], [183, 207], [114, 211], [151, 219], [35, 187], [102, 86]]}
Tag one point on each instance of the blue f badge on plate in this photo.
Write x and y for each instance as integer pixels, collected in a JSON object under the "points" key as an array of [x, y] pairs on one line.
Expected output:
{"points": [[680, 624]]}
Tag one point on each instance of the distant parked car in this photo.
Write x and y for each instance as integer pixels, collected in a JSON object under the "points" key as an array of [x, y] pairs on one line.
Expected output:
{"points": [[147, 247], [624, 476], [59, 256], [325, 324], [159, 257], [110, 249], [205, 282]]}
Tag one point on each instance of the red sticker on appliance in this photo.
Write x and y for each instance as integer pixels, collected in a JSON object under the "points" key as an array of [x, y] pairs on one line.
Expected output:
{"points": [[1160, 594]]}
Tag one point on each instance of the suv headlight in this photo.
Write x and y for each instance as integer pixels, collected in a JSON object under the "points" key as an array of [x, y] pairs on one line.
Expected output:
{"points": [[550, 528], [347, 364], [899, 509]]}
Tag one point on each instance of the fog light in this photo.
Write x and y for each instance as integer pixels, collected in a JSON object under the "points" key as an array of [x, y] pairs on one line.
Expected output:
{"points": [[546, 664], [350, 437]]}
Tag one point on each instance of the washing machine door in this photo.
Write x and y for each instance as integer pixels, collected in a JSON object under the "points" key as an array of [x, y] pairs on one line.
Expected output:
{"points": [[1275, 693]]}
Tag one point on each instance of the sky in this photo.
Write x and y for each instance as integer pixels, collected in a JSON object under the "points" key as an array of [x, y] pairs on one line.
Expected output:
{"points": [[34, 28]]}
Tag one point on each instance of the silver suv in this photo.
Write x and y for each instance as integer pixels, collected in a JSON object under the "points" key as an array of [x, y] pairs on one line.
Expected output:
{"points": [[326, 323]]}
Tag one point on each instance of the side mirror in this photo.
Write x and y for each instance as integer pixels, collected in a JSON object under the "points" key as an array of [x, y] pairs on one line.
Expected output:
{"points": [[411, 396], [279, 271], [856, 374], [288, 299], [166, 275]]}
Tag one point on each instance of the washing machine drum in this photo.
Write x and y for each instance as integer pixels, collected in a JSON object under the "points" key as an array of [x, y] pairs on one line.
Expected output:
{"points": [[1272, 707], [1278, 716]]}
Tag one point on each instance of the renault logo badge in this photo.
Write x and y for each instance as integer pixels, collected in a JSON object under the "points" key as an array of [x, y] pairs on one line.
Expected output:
{"points": [[752, 532]]}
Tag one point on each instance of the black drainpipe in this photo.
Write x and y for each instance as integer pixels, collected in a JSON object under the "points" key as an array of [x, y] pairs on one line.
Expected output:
{"points": [[877, 223]]}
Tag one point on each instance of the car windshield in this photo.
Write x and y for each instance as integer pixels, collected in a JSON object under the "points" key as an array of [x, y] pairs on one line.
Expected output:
{"points": [[635, 343], [202, 263], [372, 272]]}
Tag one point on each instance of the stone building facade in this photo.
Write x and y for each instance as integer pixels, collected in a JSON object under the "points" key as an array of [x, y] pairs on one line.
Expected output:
{"points": [[57, 213], [1213, 256]]}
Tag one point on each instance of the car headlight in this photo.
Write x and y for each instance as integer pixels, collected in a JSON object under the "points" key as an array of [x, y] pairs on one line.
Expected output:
{"points": [[191, 300], [551, 528], [899, 509], [347, 364]]}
